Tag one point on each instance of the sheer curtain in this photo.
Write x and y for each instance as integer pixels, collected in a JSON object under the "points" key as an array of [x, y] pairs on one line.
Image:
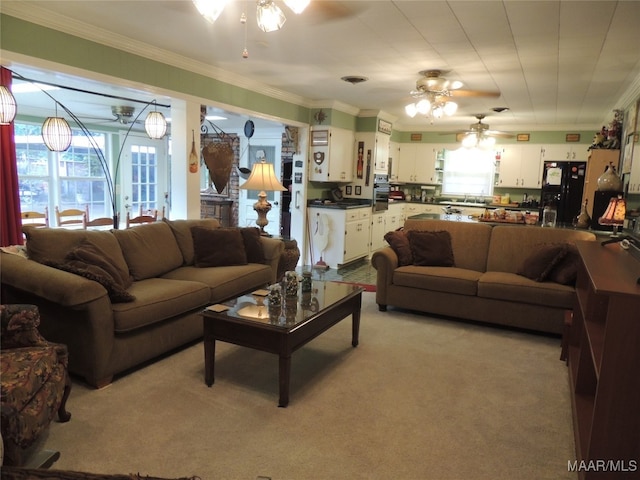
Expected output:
{"points": [[10, 221]]}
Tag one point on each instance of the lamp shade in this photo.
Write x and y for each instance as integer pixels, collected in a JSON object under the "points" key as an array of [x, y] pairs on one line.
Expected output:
{"points": [[210, 9], [269, 16], [155, 124], [263, 178], [297, 6], [7, 106], [56, 134]]}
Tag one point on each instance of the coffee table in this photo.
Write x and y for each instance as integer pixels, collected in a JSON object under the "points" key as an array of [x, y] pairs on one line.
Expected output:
{"points": [[251, 322]]}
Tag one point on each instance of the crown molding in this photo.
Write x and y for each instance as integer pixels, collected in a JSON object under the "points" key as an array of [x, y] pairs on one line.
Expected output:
{"points": [[55, 21]]}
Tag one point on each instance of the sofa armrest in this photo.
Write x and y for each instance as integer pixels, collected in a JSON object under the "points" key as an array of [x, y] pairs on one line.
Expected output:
{"points": [[49, 283], [385, 261], [273, 249]]}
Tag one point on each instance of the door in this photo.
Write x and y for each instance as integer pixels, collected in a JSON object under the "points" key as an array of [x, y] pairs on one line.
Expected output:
{"points": [[143, 172], [270, 150]]}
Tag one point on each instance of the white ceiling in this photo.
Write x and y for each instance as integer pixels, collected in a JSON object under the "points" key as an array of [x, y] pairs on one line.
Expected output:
{"points": [[559, 65]]}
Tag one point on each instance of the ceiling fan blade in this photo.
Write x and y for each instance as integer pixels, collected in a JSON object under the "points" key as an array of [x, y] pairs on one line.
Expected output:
{"points": [[473, 93]]}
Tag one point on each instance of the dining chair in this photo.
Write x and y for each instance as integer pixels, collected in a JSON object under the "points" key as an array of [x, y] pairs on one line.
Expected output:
{"points": [[71, 217], [36, 219], [97, 223], [141, 219]]}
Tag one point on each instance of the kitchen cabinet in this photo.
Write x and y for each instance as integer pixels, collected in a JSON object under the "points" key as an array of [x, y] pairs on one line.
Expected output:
{"points": [[418, 162], [563, 152], [383, 222], [394, 160], [603, 360], [518, 166], [348, 234], [381, 153], [332, 155], [634, 175]]}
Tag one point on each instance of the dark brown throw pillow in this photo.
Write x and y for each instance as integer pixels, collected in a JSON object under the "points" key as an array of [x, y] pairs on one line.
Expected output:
{"points": [[399, 242], [431, 248], [218, 247], [91, 254], [252, 244], [542, 260], [117, 294], [565, 271]]}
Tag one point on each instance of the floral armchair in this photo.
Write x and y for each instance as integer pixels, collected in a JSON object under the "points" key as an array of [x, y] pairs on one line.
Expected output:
{"points": [[35, 382]]}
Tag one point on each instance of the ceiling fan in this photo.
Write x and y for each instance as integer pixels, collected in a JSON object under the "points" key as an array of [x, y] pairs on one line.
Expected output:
{"points": [[479, 134], [435, 92]]}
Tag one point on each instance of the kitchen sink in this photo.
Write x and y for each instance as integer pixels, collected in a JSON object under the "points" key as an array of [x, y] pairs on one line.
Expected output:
{"points": [[463, 204]]}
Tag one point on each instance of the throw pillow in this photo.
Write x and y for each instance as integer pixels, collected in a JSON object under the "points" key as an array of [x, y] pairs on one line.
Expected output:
{"points": [[431, 248], [218, 247], [565, 271], [252, 244], [92, 254], [116, 293], [399, 242], [182, 231], [542, 260]]}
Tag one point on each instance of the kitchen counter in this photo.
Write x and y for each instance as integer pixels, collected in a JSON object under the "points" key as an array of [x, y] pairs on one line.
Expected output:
{"points": [[341, 205]]}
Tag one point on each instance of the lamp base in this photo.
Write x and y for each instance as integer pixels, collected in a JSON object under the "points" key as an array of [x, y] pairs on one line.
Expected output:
{"points": [[262, 207]]}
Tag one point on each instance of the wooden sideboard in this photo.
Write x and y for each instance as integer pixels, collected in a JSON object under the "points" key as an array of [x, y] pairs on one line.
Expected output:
{"points": [[604, 363]]}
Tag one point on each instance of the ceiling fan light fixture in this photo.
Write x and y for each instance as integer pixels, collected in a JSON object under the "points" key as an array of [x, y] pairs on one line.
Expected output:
{"points": [[269, 16], [486, 142], [56, 134], [210, 9], [7, 106], [297, 6], [423, 106], [450, 108], [155, 125], [411, 110], [437, 112]]}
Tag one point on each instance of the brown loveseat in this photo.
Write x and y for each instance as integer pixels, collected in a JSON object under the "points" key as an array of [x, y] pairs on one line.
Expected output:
{"points": [[483, 284], [160, 284]]}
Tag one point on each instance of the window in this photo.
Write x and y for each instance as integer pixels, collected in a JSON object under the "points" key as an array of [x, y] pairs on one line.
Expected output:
{"points": [[468, 171], [70, 179], [144, 184]]}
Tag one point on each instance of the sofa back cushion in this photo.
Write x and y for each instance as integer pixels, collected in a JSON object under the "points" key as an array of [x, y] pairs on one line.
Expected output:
{"points": [[54, 245], [182, 231], [469, 241], [149, 249], [511, 245]]}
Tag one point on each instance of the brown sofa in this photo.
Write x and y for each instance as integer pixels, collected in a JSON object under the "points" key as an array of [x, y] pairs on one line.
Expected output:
{"points": [[110, 327], [483, 284]]}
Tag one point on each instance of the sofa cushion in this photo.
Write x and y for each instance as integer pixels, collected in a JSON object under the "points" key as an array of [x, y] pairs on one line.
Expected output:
{"points": [[226, 282], [431, 248], [182, 231], [565, 271], [539, 263], [440, 279], [158, 299], [516, 288], [252, 244], [399, 242], [54, 244], [150, 249], [218, 247]]}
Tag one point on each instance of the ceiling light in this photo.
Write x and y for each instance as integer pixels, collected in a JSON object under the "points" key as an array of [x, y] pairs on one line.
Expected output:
{"points": [[478, 140], [210, 9], [297, 6], [155, 125], [433, 106], [354, 79], [56, 133], [7, 106], [270, 17]]}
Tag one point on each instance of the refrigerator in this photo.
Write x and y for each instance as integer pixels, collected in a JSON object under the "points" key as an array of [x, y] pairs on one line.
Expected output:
{"points": [[562, 188]]}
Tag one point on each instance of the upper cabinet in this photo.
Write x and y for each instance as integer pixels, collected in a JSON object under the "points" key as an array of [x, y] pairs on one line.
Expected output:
{"points": [[519, 166], [381, 153], [331, 154], [420, 163], [565, 152], [394, 159]]}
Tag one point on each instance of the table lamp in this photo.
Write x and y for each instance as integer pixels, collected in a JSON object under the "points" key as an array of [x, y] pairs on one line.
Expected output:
{"points": [[262, 178], [615, 213]]}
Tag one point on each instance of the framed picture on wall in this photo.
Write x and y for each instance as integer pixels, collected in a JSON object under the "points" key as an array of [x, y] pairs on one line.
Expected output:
{"points": [[347, 189], [358, 190]]}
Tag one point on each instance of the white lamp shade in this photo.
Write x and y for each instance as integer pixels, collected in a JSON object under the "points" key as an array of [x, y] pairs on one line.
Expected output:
{"points": [[56, 134], [470, 140], [155, 124], [423, 106], [411, 110], [487, 142], [450, 108], [263, 178], [210, 9], [7, 106], [297, 6], [269, 16]]}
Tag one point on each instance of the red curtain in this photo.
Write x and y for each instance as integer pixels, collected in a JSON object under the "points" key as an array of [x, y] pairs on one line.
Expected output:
{"points": [[10, 219]]}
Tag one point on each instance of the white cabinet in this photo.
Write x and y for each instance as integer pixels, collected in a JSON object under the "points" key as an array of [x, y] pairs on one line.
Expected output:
{"points": [[394, 159], [518, 166], [378, 230], [331, 155], [418, 162], [381, 153], [562, 152], [347, 232], [634, 176]]}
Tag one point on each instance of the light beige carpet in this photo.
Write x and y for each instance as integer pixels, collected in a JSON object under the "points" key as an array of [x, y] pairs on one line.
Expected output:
{"points": [[420, 398]]}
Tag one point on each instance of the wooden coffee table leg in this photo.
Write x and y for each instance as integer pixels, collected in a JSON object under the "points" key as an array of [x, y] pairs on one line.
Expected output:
{"points": [[284, 377], [209, 359], [355, 327]]}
